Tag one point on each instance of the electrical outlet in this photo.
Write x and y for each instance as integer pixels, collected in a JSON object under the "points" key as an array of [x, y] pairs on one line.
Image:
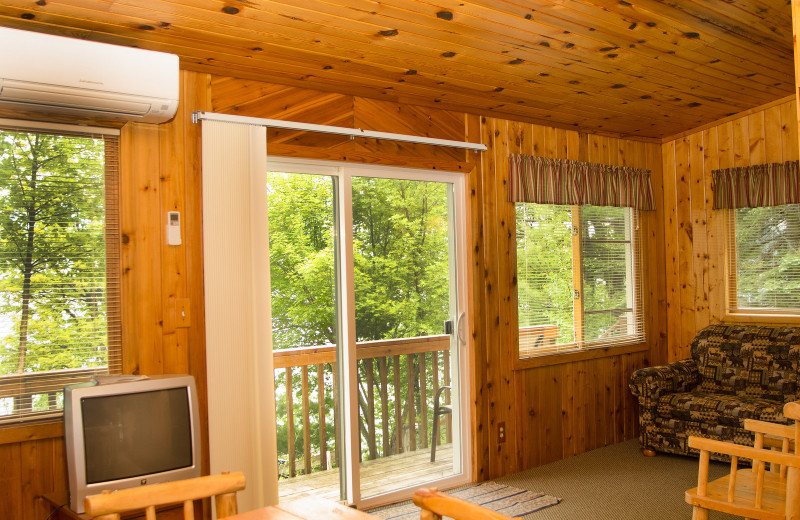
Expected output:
{"points": [[501, 432]]}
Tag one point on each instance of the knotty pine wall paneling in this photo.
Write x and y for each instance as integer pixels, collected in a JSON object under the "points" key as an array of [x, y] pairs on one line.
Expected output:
{"points": [[550, 412], [564, 405], [569, 392], [159, 172], [694, 233]]}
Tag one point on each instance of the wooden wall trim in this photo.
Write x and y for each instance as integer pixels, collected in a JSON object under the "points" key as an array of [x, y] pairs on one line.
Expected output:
{"points": [[581, 355], [31, 432]]}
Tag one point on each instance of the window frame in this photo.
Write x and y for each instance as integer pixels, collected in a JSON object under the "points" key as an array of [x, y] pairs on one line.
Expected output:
{"points": [[52, 382], [734, 313], [579, 350]]}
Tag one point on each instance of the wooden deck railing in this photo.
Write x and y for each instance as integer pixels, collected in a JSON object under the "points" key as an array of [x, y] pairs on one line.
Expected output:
{"points": [[403, 423]]}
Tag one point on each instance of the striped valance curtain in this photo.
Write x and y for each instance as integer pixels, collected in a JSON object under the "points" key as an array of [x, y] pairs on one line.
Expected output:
{"points": [[562, 181], [773, 184]]}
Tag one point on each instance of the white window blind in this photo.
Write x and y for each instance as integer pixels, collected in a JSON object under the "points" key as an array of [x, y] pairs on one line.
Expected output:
{"points": [[59, 266], [577, 278], [764, 259]]}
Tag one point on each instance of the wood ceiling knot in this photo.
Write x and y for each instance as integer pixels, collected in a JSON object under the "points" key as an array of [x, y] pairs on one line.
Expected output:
{"points": [[444, 15], [229, 9]]}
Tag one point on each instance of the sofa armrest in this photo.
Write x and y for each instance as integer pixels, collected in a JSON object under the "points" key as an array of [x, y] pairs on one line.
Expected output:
{"points": [[649, 384]]}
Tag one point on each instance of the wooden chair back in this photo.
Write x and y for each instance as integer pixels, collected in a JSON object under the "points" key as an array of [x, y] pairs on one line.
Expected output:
{"points": [[753, 492], [109, 504], [434, 505]]}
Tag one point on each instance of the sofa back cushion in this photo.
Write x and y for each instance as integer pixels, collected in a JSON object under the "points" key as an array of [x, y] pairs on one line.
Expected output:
{"points": [[748, 361]]}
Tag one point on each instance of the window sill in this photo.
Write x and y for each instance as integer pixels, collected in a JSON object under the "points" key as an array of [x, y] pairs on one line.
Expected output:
{"points": [[31, 431], [762, 318], [578, 355]]}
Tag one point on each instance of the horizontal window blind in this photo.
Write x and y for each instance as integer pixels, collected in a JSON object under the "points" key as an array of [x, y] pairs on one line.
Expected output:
{"points": [[59, 266], [577, 278], [764, 257]]}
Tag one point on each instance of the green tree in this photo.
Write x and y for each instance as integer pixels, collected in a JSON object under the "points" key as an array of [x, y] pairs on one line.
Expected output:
{"points": [[401, 273], [544, 267], [768, 256], [52, 262]]}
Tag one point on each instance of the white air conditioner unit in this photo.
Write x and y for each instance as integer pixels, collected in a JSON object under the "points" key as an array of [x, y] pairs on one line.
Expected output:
{"points": [[52, 74]]}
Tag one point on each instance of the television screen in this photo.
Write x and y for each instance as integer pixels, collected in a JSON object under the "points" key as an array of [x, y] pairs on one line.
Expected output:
{"points": [[137, 434]]}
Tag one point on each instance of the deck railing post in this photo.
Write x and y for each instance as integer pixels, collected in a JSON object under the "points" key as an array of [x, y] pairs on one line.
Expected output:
{"points": [[323, 437], [412, 415], [306, 421], [398, 415], [384, 405], [423, 401], [373, 449], [290, 422]]}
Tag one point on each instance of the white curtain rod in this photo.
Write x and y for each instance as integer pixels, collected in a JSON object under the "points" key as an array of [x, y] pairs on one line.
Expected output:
{"points": [[340, 130]]}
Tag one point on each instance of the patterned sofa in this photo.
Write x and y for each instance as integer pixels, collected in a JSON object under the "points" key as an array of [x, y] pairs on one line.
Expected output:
{"points": [[736, 372]]}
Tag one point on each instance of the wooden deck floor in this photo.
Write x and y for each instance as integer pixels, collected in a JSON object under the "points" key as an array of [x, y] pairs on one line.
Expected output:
{"points": [[377, 476]]}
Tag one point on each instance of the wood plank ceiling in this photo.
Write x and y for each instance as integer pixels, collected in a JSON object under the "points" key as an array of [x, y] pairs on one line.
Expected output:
{"points": [[632, 68]]}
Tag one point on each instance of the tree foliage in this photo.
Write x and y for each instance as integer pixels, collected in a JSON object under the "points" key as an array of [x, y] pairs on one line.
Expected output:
{"points": [[52, 261], [768, 256], [551, 241], [401, 276]]}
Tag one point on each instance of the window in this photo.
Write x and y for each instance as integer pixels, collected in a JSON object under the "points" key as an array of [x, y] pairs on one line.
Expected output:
{"points": [[59, 266], [764, 257], [577, 277]]}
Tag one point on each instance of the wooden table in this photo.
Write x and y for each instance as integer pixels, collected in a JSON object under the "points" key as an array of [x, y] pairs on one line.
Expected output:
{"points": [[308, 508]]}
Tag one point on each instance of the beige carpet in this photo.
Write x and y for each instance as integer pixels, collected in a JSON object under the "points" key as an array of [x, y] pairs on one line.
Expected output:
{"points": [[617, 482]]}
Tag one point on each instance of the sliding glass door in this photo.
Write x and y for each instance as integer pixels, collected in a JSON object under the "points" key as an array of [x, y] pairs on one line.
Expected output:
{"points": [[367, 287]]}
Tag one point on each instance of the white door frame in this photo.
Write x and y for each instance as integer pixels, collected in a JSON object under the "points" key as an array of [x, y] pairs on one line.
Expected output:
{"points": [[462, 441]]}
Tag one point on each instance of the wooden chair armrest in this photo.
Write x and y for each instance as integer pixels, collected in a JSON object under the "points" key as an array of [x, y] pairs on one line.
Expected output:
{"points": [[744, 452], [435, 505]]}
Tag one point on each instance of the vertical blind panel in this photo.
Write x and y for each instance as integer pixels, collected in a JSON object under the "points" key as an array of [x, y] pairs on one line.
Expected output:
{"points": [[577, 277], [238, 347], [765, 247], [59, 267]]}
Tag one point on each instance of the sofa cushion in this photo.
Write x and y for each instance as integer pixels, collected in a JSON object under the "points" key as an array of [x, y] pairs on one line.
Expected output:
{"points": [[718, 410], [749, 362]]}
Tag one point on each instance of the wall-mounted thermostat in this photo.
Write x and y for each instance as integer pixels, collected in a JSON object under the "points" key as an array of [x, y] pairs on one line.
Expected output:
{"points": [[173, 228]]}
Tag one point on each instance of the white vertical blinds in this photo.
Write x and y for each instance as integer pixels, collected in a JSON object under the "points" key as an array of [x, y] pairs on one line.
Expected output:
{"points": [[578, 277], [59, 265], [238, 335]]}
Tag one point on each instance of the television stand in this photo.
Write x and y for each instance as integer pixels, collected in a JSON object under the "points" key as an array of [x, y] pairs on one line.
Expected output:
{"points": [[58, 502]]}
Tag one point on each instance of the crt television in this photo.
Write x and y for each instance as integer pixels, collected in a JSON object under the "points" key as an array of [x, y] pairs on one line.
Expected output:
{"points": [[128, 431]]}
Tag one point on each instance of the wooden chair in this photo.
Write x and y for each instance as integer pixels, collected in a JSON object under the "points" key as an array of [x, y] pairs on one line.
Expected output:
{"points": [[109, 504], [753, 492], [435, 505]]}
